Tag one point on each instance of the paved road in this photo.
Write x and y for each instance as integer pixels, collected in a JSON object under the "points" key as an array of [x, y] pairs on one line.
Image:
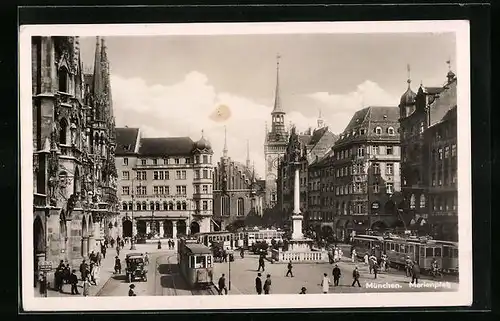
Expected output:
{"points": [[244, 271]]}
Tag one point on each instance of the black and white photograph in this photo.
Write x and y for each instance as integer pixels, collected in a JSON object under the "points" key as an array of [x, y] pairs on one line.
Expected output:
{"points": [[319, 164]]}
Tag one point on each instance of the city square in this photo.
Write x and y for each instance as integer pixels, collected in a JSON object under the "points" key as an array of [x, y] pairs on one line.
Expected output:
{"points": [[140, 175]]}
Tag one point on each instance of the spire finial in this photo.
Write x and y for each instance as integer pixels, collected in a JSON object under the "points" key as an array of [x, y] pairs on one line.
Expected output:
{"points": [[248, 154], [409, 74], [448, 62], [202, 133], [224, 151]]}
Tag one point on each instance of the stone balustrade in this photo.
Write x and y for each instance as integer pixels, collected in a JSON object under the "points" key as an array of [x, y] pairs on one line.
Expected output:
{"points": [[279, 256]]}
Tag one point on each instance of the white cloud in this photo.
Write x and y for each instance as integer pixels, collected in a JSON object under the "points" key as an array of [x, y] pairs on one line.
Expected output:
{"points": [[339, 108], [185, 108]]}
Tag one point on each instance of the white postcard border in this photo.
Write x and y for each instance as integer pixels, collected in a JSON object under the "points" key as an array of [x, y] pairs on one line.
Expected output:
{"points": [[462, 297]]}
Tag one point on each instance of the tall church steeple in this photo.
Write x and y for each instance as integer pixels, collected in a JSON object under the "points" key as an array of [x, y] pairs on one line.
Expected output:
{"points": [[320, 120], [248, 155], [224, 151], [278, 115]]}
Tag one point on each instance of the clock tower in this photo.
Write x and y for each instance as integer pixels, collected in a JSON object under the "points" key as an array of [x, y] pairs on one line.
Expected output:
{"points": [[275, 144]]}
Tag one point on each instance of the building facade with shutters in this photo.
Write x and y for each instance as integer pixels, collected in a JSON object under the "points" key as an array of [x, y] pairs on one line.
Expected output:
{"points": [[165, 184], [74, 174], [366, 171]]}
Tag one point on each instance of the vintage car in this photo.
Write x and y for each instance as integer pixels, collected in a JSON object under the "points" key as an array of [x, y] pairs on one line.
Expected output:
{"points": [[136, 267]]}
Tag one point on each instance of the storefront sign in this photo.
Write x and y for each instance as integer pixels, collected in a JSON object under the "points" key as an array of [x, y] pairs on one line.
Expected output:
{"points": [[375, 205], [45, 266]]}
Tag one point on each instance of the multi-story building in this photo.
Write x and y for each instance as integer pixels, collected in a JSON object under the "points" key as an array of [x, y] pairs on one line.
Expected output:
{"points": [[313, 145], [366, 172], [428, 140], [74, 177], [165, 184], [275, 144], [238, 198]]}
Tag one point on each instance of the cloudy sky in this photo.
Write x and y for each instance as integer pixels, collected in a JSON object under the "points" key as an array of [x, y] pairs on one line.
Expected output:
{"points": [[174, 85]]}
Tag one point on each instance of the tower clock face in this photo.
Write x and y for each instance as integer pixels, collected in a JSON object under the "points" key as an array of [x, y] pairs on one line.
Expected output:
{"points": [[276, 162]]}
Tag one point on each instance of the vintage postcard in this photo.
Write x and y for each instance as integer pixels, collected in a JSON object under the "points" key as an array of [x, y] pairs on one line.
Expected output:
{"points": [[262, 165]]}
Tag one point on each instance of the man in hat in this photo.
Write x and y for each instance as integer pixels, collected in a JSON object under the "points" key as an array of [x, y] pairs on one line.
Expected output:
{"points": [[267, 284], [258, 283], [355, 277], [73, 279], [131, 291], [222, 284], [303, 290], [336, 275], [290, 266]]}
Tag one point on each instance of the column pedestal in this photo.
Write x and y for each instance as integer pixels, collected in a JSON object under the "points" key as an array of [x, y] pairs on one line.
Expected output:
{"points": [[85, 246], [174, 230], [134, 227], [162, 229], [148, 227]]}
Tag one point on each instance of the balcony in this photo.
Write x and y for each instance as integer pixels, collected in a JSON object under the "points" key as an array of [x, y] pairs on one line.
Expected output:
{"points": [[39, 200]]}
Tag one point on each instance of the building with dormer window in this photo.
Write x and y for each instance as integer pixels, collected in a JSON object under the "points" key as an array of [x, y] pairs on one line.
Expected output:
{"points": [[165, 184]]}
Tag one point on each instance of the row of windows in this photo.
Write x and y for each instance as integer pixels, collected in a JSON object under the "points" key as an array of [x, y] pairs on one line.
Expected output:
{"points": [[413, 201], [377, 130], [205, 159], [359, 169], [361, 188], [444, 178], [143, 190], [161, 175], [205, 189], [368, 150], [165, 206], [444, 203], [226, 206], [444, 153]]}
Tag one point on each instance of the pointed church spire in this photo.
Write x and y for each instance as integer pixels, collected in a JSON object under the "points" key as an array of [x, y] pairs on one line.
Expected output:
{"points": [[409, 75], [277, 97], [248, 155], [320, 120], [224, 151]]}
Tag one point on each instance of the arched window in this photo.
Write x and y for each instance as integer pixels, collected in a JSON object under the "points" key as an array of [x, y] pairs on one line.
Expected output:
{"points": [[144, 206], [165, 206], [63, 132], [422, 201], [412, 201], [225, 205], [157, 206], [151, 205], [124, 206], [184, 206], [130, 206], [138, 206], [390, 131], [378, 130], [179, 206], [63, 80], [170, 206], [241, 207]]}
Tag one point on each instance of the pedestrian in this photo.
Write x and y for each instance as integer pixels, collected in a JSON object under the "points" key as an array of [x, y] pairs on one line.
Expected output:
{"points": [[146, 259], [290, 269], [353, 255], [261, 263], [267, 284], [340, 254], [106, 242], [93, 257], [118, 265], [375, 270], [303, 290], [336, 255], [366, 258], [222, 284], [86, 287], [43, 284], [336, 275], [103, 252], [415, 272], [95, 274], [117, 249], [112, 242], [242, 252], [355, 276], [409, 264], [58, 280], [66, 272], [371, 263], [74, 283], [325, 283], [131, 291], [258, 283], [99, 258]]}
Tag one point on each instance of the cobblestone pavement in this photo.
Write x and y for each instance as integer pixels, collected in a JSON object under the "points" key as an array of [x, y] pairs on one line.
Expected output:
{"points": [[244, 271]]}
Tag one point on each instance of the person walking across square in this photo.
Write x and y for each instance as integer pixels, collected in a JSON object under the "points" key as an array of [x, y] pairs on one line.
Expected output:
{"points": [[336, 275], [290, 266], [258, 284], [355, 276]]}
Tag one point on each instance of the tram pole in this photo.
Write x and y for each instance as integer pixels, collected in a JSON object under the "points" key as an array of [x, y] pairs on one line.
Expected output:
{"points": [[229, 274]]}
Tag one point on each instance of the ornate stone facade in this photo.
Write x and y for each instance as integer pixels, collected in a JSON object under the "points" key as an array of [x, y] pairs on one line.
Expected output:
{"points": [[74, 178]]}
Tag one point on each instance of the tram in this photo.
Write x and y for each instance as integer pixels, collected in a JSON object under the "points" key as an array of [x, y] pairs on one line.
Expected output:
{"points": [[449, 257], [195, 263], [366, 243], [267, 235], [420, 250], [227, 239]]}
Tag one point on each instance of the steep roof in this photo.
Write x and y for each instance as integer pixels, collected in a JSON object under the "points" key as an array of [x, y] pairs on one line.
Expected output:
{"points": [[441, 107], [304, 139], [126, 139], [169, 146]]}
